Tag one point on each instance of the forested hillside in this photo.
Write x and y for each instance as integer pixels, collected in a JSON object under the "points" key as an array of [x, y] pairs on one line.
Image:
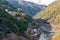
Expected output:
{"points": [[14, 22], [10, 23]]}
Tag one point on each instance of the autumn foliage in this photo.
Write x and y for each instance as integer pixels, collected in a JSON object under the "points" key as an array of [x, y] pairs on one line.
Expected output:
{"points": [[56, 37]]}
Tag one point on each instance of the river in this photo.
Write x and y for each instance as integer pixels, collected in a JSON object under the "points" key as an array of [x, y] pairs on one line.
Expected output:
{"points": [[44, 36]]}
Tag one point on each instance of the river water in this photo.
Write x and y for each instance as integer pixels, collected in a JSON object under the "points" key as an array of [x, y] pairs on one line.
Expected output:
{"points": [[45, 36]]}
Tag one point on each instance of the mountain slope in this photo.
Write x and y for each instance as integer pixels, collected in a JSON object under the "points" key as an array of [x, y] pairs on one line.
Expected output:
{"points": [[28, 7], [10, 27], [6, 5], [8, 23], [51, 13]]}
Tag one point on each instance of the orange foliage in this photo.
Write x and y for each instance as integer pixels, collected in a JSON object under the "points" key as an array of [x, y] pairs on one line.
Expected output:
{"points": [[55, 38]]}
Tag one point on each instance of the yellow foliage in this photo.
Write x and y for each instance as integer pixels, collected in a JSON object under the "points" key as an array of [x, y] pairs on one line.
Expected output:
{"points": [[52, 11], [56, 37]]}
